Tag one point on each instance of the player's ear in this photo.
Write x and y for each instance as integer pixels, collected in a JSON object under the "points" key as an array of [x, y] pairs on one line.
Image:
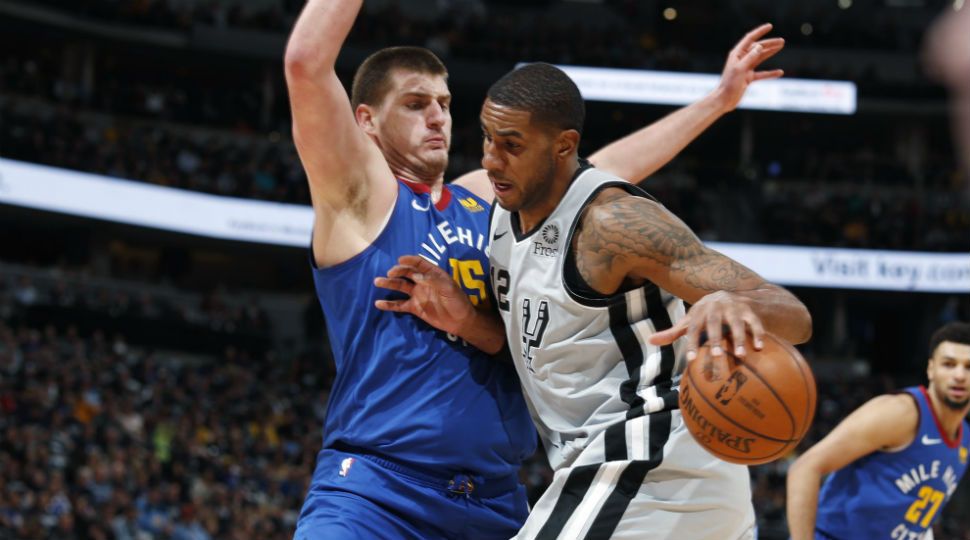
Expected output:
{"points": [[366, 118], [567, 143]]}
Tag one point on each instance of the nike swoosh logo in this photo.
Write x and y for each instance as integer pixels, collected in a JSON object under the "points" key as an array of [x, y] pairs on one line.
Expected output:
{"points": [[496, 236], [929, 442], [419, 208]]}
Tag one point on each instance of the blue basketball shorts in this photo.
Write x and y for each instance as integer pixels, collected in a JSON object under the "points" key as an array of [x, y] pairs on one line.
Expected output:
{"points": [[356, 495]]}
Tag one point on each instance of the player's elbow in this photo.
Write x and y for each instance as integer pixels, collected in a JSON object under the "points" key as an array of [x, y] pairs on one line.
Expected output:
{"points": [[795, 326], [813, 464], [794, 321], [302, 63], [803, 471], [295, 62], [804, 318]]}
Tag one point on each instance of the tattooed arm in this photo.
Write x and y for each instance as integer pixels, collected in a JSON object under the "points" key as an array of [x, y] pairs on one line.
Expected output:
{"points": [[624, 240]]}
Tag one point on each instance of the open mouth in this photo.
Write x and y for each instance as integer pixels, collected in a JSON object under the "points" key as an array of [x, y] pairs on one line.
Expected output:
{"points": [[499, 186]]}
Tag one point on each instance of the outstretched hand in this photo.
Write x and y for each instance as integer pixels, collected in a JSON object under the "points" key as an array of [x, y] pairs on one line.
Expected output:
{"points": [[433, 295], [714, 314], [741, 67]]}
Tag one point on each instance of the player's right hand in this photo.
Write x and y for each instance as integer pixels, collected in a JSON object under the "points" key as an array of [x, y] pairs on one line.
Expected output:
{"points": [[433, 295], [726, 319]]}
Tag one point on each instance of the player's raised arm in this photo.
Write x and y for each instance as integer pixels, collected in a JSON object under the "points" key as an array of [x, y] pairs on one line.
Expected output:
{"points": [[633, 238], [641, 153], [350, 181], [883, 423]]}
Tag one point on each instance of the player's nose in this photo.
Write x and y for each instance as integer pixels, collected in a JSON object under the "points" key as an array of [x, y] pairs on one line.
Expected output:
{"points": [[437, 115], [491, 162]]}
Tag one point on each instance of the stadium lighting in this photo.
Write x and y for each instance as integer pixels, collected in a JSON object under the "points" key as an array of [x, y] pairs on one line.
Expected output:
{"points": [[122, 201], [675, 88]]}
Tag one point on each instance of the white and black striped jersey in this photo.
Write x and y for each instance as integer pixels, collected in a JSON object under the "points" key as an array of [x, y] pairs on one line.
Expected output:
{"points": [[583, 359]]}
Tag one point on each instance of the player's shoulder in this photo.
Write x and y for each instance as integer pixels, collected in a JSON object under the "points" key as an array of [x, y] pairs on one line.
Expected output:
{"points": [[463, 205], [889, 421], [467, 198], [899, 405], [886, 412], [617, 207], [612, 194], [896, 412]]}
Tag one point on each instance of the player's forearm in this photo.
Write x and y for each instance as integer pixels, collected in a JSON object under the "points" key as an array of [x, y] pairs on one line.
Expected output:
{"points": [[484, 330], [802, 500], [643, 152], [319, 33], [780, 311]]}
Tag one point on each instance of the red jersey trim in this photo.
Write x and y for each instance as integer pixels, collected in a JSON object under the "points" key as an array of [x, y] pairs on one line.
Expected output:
{"points": [[418, 187], [952, 443]]}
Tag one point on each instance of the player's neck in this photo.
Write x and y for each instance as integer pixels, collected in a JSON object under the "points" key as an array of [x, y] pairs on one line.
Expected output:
{"points": [[529, 218], [950, 418], [435, 183]]}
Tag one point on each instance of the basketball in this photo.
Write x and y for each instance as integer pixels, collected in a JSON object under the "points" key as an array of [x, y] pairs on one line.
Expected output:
{"points": [[758, 411]]}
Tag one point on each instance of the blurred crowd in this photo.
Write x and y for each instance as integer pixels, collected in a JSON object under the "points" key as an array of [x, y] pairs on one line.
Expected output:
{"points": [[205, 322], [459, 25], [616, 33], [103, 439], [164, 155]]}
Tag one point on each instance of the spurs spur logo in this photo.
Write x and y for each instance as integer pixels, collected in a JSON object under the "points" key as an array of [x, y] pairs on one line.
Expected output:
{"points": [[533, 327]]}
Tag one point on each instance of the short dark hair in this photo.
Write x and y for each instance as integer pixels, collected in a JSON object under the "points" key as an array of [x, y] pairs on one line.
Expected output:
{"points": [[956, 331], [543, 90], [373, 78]]}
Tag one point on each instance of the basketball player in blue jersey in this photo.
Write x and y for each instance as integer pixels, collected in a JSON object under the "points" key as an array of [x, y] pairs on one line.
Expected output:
{"points": [[425, 432], [895, 461]]}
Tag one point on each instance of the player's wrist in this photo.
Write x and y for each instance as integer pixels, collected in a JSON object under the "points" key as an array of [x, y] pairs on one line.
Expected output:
{"points": [[720, 100], [465, 325], [483, 329]]}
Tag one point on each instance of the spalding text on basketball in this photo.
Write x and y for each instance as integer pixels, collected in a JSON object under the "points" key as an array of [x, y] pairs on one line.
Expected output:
{"points": [[709, 430]]}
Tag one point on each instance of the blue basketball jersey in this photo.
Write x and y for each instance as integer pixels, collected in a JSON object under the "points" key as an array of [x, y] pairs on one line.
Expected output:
{"points": [[897, 494], [404, 389]]}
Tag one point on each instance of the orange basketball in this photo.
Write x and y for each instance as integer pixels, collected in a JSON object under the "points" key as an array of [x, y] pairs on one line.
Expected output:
{"points": [[758, 411]]}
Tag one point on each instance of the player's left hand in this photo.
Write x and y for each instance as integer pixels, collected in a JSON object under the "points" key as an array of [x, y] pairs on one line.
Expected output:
{"points": [[741, 67], [434, 296], [713, 314]]}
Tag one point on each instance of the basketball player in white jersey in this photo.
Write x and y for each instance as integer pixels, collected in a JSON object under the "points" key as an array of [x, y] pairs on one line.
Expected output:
{"points": [[588, 274]]}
